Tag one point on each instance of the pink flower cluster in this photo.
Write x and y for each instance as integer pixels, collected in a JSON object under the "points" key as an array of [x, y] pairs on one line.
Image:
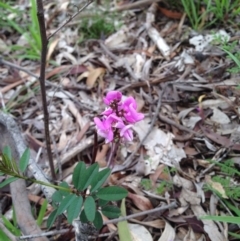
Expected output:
{"points": [[117, 119]]}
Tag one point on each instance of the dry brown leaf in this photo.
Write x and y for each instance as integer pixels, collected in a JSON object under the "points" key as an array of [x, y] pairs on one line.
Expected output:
{"points": [[139, 233], [93, 75], [101, 155], [216, 186], [158, 174], [158, 223], [51, 48], [168, 233], [141, 202]]}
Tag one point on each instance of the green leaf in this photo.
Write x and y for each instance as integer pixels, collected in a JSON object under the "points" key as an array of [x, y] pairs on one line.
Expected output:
{"points": [[57, 197], [234, 235], [111, 211], [112, 193], [123, 230], [8, 181], [11, 227], [98, 221], [3, 236], [87, 176], [65, 203], [99, 179], [226, 219], [102, 203], [74, 209], [83, 217], [42, 213], [64, 184], [7, 152], [52, 217], [90, 208], [78, 173], [24, 160]]}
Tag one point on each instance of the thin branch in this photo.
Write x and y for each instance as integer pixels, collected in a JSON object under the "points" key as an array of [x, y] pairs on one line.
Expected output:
{"points": [[71, 18], [48, 83], [44, 40], [135, 215], [50, 233]]}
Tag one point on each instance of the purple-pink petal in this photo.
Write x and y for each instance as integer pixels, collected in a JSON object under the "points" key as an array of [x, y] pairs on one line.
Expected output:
{"points": [[104, 129], [126, 132], [112, 96]]}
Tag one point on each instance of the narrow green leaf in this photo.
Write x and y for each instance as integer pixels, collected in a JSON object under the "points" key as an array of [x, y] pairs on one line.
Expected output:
{"points": [[7, 152], [52, 217], [11, 227], [123, 230], [99, 179], [111, 211], [65, 203], [113, 193], [24, 160], [3, 236], [233, 208], [226, 219], [8, 181], [42, 213], [74, 209], [90, 208], [98, 221], [234, 235], [78, 173]]}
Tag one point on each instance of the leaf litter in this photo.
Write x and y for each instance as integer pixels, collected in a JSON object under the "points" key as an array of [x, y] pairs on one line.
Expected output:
{"points": [[148, 50]]}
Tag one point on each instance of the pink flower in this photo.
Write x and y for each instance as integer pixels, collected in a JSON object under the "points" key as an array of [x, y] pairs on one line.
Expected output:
{"points": [[104, 129], [116, 121], [112, 96], [130, 110], [125, 131]]}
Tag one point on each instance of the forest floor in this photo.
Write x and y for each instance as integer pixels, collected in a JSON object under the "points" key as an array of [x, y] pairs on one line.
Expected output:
{"points": [[186, 81]]}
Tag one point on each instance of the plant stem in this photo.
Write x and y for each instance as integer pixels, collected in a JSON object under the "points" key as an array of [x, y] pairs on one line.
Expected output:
{"points": [[44, 40]]}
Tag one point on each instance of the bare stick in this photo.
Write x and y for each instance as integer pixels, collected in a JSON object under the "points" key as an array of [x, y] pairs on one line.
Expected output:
{"points": [[135, 215], [44, 40], [70, 18]]}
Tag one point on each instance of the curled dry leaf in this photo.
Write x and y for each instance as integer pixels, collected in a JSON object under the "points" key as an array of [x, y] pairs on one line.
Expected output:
{"points": [[182, 182], [139, 233], [157, 223], [119, 39], [219, 117], [168, 233], [93, 75], [141, 202]]}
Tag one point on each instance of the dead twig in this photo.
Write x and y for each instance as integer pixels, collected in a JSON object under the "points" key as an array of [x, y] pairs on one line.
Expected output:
{"points": [[135, 215], [70, 18]]}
